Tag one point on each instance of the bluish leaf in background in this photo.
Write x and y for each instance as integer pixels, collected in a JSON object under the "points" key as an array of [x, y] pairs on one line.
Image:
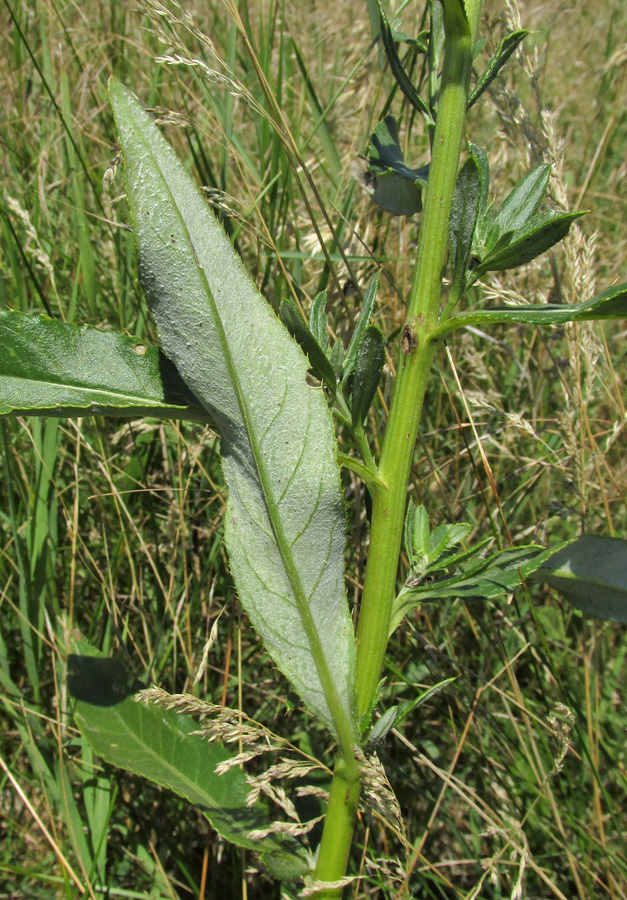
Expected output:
{"points": [[591, 573]]}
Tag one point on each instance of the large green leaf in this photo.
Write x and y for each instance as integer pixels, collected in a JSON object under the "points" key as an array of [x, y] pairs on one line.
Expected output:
{"points": [[610, 304], [159, 745], [50, 368], [591, 573], [285, 518]]}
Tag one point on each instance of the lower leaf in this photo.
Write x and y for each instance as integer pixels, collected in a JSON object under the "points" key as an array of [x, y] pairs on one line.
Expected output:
{"points": [[161, 746]]}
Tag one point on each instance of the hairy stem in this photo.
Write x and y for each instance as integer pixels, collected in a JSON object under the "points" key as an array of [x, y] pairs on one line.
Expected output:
{"points": [[417, 352]]}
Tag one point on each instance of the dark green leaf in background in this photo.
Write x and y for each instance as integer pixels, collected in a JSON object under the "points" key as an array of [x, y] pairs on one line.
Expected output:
{"points": [[50, 368], [159, 745], [392, 184]]}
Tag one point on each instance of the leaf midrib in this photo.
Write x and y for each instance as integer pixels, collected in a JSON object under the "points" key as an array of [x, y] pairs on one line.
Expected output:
{"points": [[328, 684], [136, 399]]}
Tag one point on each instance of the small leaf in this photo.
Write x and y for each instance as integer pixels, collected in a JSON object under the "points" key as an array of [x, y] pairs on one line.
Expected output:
{"points": [[297, 327], [416, 535], [541, 232], [505, 49], [285, 519], [610, 304], [318, 320], [479, 579], [370, 360], [463, 219], [445, 537], [382, 726], [336, 358], [591, 573], [159, 745], [483, 167], [365, 313], [392, 184], [50, 368], [521, 204]]}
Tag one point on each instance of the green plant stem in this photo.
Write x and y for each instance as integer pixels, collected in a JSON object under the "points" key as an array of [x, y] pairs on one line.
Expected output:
{"points": [[417, 352], [338, 826]]}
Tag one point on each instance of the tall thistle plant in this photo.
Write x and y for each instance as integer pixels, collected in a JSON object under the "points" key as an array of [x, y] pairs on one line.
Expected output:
{"points": [[226, 359]]}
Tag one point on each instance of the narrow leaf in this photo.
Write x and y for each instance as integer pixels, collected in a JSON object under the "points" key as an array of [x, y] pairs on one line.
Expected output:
{"points": [[483, 167], [365, 313], [336, 358], [318, 320], [437, 39], [370, 360], [50, 368], [416, 534], [610, 304], [159, 745], [482, 579], [396, 66], [297, 327], [505, 49], [463, 219], [285, 519], [591, 573]]}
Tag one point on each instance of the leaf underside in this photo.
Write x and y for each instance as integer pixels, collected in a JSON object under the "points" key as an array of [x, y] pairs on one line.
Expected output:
{"points": [[591, 573], [285, 519]]}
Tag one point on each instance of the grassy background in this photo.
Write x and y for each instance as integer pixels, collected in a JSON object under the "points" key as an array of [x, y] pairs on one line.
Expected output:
{"points": [[512, 781]]}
